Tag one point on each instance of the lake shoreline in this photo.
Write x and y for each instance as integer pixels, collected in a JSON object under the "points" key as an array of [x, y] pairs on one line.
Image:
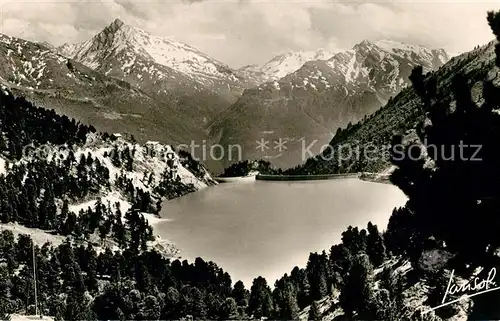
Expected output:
{"points": [[265, 177], [170, 249], [240, 226]]}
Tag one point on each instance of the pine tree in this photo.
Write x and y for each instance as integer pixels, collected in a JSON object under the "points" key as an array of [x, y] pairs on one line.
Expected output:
{"points": [[143, 278], [354, 240], [229, 310], [199, 307], [240, 294], [340, 261], [438, 284], [494, 23], [291, 308], [91, 277], [214, 304], [129, 160], [260, 303], [299, 277], [24, 249], [69, 225], [8, 249], [375, 247], [357, 292], [116, 157], [107, 304], [150, 309], [171, 307], [4, 294], [317, 273]]}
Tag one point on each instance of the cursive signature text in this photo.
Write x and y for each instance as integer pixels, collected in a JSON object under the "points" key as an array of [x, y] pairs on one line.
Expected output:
{"points": [[474, 284]]}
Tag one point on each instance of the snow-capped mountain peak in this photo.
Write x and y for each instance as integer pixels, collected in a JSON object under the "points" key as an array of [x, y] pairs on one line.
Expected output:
{"points": [[395, 46], [123, 44], [283, 64]]}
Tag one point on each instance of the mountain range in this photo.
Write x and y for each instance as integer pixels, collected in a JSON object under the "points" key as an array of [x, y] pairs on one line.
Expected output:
{"points": [[126, 80], [304, 108], [401, 116]]}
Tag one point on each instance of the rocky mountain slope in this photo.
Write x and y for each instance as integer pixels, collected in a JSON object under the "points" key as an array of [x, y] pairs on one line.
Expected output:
{"points": [[305, 108], [155, 64], [400, 115], [51, 80]]}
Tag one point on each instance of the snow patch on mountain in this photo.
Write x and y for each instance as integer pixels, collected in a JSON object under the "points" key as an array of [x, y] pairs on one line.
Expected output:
{"points": [[402, 49], [27, 63], [3, 166], [284, 64], [152, 164], [39, 237], [22, 317]]}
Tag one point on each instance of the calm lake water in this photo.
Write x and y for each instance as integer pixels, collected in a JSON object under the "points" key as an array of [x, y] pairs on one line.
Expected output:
{"points": [[267, 228]]}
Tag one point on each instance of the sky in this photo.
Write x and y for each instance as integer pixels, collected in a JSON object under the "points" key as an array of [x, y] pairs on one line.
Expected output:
{"points": [[242, 32]]}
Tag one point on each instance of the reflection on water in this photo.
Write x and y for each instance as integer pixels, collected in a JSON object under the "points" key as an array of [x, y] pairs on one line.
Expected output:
{"points": [[267, 228]]}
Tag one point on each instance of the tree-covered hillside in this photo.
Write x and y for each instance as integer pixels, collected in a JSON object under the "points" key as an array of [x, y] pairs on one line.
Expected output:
{"points": [[373, 134]]}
